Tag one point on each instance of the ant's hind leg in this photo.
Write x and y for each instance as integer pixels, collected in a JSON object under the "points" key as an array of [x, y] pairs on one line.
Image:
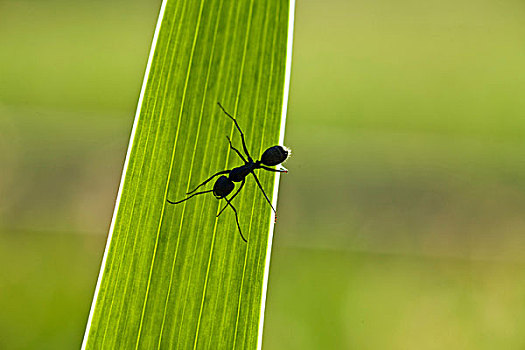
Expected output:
{"points": [[235, 149], [240, 132], [275, 170], [211, 178], [265, 196]]}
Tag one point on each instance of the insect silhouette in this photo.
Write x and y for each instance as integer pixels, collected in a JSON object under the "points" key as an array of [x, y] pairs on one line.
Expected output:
{"points": [[224, 185]]}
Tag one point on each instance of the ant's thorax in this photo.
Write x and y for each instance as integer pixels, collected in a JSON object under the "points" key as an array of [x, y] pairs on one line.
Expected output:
{"points": [[239, 173]]}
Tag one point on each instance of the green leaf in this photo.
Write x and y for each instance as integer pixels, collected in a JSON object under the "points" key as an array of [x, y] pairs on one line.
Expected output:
{"points": [[176, 276]]}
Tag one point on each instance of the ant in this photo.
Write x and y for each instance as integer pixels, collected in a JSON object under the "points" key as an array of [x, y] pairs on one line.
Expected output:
{"points": [[225, 184]]}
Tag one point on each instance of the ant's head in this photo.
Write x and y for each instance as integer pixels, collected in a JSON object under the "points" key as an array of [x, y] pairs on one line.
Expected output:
{"points": [[275, 155], [222, 187]]}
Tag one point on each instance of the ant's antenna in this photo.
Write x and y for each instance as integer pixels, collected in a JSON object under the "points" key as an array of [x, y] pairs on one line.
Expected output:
{"points": [[185, 199]]}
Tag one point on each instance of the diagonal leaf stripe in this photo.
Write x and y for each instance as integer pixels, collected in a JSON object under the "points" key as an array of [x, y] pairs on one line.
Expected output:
{"points": [[176, 276]]}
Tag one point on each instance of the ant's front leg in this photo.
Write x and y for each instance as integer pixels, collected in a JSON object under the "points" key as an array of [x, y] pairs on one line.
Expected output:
{"points": [[236, 218], [232, 197], [211, 178]]}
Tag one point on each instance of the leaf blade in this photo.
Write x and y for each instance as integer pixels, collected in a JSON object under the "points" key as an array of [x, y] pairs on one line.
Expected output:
{"points": [[223, 57]]}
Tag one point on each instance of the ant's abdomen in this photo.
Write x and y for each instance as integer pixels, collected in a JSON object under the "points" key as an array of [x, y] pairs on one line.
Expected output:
{"points": [[274, 155]]}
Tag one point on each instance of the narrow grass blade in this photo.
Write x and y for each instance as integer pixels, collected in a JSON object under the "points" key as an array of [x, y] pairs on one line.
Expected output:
{"points": [[176, 276]]}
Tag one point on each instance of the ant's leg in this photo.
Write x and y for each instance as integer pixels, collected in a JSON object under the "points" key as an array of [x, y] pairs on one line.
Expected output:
{"points": [[240, 131], [274, 170], [236, 218], [260, 186], [232, 197], [235, 149], [205, 182], [185, 199]]}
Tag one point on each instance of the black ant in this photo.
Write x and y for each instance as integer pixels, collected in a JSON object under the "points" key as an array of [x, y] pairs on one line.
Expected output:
{"points": [[225, 184]]}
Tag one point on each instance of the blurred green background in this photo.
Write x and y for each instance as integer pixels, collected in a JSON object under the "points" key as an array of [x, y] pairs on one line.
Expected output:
{"points": [[401, 221]]}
